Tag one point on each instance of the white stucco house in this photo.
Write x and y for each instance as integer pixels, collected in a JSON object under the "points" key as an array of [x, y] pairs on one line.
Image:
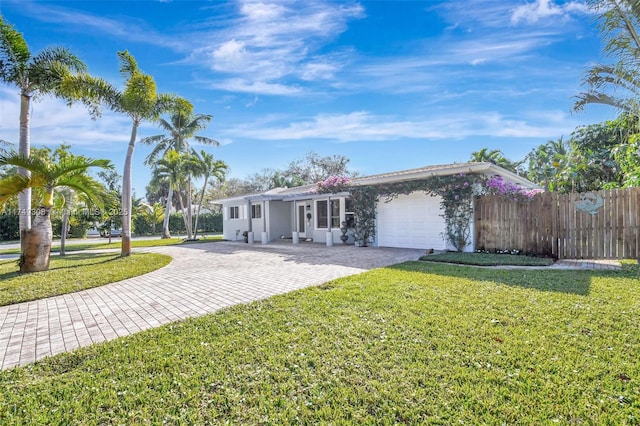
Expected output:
{"points": [[301, 214]]}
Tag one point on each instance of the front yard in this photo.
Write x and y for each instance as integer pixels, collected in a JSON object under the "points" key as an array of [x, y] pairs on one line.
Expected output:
{"points": [[418, 343]]}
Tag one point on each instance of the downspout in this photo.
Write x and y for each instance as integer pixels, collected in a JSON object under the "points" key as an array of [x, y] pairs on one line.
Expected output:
{"points": [[329, 238], [250, 229]]}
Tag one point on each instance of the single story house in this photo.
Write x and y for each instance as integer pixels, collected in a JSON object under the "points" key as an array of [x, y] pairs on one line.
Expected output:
{"points": [[302, 214]]}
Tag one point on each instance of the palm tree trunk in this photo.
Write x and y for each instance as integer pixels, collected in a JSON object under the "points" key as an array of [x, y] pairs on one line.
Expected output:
{"points": [[126, 194], [189, 213], [167, 214], [37, 243], [63, 233], [184, 216], [24, 148], [204, 187]]}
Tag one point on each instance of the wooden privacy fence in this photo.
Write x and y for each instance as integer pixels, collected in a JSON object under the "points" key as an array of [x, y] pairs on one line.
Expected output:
{"points": [[594, 225]]}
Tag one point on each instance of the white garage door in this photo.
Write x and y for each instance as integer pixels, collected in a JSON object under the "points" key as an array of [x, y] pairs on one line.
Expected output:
{"points": [[411, 221]]}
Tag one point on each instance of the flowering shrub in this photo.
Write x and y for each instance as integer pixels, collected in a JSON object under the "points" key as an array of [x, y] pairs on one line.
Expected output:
{"points": [[496, 185], [333, 184]]}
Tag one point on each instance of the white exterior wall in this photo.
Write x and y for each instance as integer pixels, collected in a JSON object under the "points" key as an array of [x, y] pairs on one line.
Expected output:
{"points": [[232, 229]]}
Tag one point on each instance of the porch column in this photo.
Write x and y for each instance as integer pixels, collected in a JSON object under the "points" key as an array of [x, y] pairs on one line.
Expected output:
{"points": [[265, 235], [295, 235], [329, 238], [249, 224]]}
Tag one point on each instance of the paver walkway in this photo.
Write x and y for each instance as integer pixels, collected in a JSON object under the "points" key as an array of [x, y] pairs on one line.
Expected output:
{"points": [[202, 278]]}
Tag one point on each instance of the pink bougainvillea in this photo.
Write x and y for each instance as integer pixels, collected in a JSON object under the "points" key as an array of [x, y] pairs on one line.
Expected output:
{"points": [[496, 185], [333, 184]]}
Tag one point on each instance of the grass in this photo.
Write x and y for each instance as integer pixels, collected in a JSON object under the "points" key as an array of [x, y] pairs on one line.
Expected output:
{"points": [[116, 244], [73, 272], [487, 259], [418, 343]]}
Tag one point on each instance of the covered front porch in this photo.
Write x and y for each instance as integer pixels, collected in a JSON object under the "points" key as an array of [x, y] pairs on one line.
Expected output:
{"points": [[309, 217]]}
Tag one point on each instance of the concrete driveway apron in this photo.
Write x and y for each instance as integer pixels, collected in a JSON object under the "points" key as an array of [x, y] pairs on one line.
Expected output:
{"points": [[201, 279]]}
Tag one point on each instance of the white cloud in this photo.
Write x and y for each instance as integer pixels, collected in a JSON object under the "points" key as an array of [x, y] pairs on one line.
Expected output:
{"points": [[53, 122], [270, 42], [255, 87], [542, 9], [318, 71], [365, 126], [131, 29]]}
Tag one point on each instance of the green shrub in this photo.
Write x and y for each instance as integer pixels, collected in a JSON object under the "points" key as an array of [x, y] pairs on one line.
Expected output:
{"points": [[9, 226]]}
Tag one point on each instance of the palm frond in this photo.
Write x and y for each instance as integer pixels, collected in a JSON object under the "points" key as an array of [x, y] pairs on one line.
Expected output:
{"points": [[92, 92], [206, 141], [14, 53], [12, 186], [84, 184], [34, 164], [128, 65]]}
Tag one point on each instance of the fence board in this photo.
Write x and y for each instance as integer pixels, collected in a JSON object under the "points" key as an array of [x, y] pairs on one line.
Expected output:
{"points": [[603, 224]]}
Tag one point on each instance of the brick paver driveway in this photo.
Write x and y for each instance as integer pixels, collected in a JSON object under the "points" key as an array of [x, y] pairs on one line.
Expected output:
{"points": [[201, 279]]}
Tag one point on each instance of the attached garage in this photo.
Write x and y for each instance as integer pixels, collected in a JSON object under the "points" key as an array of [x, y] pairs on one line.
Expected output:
{"points": [[411, 221]]}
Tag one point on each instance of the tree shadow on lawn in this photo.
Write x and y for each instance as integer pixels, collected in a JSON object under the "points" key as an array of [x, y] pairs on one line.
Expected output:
{"points": [[69, 257], [563, 281]]}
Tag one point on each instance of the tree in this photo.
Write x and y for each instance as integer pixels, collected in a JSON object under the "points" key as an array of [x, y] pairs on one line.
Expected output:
{"points": [[50, 177], [139, 101], [547, 164], [183, 126], [34, 76], [209, 167], [152, 213], [172, 167], [313, 168], [616, 84], [495, 156]]}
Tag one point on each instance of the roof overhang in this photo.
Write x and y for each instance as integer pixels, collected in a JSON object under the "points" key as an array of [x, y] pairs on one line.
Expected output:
{"points": [[308, 192]]}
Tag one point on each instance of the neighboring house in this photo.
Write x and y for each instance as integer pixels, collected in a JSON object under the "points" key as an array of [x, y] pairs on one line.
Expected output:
{"points": [[408, 221]]}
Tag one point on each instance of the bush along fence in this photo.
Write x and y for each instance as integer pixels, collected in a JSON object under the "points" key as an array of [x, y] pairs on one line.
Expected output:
{"points": [[594, 225]]}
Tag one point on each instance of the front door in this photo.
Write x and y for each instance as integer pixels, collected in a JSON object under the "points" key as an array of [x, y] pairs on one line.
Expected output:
{"points": [[301, 220]]}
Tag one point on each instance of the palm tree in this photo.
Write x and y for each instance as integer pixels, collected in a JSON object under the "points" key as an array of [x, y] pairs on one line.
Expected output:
{"points": [[153, 213], [49, 177], [172, 168], [34, 76], [183, 126], [209, 167], [618, 84], [139, 101], [495, 156]]}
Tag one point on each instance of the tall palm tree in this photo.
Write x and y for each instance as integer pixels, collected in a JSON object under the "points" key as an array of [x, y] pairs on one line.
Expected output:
{"points": [[172, 167], [617, 84], [34, 76], [182, 127], [49, 177], [209, 167], [139, 100]]}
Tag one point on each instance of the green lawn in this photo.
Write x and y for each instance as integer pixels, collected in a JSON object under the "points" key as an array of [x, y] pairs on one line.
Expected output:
{"points": [[116, 244], [418, 343], [73, 272]]}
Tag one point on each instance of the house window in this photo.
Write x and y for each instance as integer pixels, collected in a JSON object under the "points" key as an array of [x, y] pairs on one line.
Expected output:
{"points": [[328, 213], [256, 211], [234, 212], [349, 216]]}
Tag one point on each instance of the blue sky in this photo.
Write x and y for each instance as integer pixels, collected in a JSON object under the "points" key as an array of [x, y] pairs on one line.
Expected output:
{"points": [[389, 84]]}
